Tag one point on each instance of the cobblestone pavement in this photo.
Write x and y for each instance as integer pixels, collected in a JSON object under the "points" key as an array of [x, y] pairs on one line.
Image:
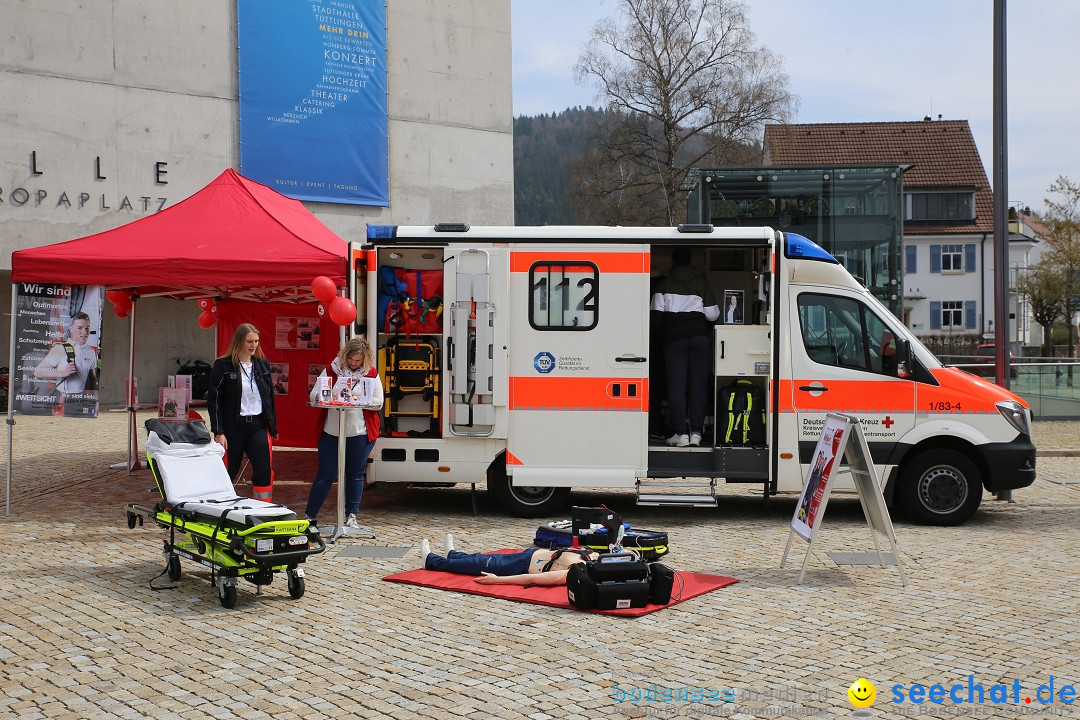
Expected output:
{"points": [[82, 635]]}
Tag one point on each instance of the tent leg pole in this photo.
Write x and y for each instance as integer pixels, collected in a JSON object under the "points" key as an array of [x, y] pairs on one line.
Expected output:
{"points": [[133, 436], [11, 400]]}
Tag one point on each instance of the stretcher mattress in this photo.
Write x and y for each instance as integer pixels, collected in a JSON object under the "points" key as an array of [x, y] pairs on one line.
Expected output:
{"points": [[194, 479]]}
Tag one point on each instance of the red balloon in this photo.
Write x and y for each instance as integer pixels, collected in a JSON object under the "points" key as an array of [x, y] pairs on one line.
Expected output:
{"points": [[206, 320], [121, 310], [204, 303], [342, 311], [116, 297], [323, 288]]}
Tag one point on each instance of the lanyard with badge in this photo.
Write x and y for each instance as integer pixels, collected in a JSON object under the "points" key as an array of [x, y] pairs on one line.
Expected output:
{"points": [[249, 388]]}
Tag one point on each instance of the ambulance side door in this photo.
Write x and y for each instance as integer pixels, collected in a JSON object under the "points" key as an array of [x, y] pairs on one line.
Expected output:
{"points": [[578, 364], [843, 360]]}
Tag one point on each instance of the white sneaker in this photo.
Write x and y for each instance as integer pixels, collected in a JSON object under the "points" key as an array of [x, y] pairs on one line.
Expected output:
{"points": [[695, 439], [449, 542], [678, 440], [425, 550], [350, 521]]}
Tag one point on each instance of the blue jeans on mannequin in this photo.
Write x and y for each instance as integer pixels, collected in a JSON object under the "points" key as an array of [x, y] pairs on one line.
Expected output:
{"points": [[357, 450], [476, 563]]}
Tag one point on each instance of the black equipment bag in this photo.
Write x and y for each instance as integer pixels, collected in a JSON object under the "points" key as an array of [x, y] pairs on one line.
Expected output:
{"points": [[612, 582], [580, 587], [741, 414], [661, 580]]}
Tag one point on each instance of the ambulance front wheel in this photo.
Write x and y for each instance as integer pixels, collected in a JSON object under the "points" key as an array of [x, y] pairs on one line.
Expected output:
{"points": [[527, 501], [940, 487]]}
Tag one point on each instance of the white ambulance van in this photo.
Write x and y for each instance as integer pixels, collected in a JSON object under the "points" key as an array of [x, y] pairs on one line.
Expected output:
{"points": [[523, 354]]}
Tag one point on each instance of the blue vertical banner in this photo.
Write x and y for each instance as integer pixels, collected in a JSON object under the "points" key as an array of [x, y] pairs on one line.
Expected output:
{"points": [[313, 109]]}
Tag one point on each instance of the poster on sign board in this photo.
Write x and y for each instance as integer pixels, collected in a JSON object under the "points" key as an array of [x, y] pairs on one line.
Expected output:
{"points": [[57, 346], [815, 493]]}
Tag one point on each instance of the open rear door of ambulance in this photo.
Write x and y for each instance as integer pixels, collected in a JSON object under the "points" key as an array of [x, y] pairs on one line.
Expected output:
{"points": [[578, 371]]}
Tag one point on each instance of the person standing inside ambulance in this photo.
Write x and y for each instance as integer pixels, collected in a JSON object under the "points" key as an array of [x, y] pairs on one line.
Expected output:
{"points": [[687, 310], [240, 401]]}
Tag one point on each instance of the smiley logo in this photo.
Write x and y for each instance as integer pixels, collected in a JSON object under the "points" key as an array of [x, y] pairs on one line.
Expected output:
{"points": [[862, 693]]}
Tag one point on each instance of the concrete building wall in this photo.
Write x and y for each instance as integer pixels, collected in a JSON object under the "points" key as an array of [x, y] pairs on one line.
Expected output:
{"points": [[112, 109]]}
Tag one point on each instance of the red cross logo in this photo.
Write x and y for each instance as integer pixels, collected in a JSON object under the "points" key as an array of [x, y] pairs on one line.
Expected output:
{"points": [[888, 422]]}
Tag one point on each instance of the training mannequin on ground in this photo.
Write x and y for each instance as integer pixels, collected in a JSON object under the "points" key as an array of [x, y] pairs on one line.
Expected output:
{"points": [[535, 566]]}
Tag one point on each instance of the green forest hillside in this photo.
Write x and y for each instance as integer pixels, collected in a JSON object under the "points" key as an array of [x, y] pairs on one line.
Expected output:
{"points": [[545, 148]]}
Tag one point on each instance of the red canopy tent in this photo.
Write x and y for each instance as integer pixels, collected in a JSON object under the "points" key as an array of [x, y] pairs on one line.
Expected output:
{"points": [[235, 239]]}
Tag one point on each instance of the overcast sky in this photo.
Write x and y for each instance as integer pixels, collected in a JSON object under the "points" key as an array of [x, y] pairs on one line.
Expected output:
{"points": [[872, 60]]}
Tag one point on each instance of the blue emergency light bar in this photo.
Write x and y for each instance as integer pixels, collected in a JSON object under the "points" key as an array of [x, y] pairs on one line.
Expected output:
{"points": [[804, 248]]}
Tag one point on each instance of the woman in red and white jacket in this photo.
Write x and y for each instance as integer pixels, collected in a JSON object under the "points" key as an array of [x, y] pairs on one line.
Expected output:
{"points": [[362, 424]]}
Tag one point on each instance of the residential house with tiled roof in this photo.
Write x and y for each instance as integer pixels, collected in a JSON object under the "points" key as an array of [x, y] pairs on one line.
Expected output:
{"points": [[947, 205], [948, 218]]}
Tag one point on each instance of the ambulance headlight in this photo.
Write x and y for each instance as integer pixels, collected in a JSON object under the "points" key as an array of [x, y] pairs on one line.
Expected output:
{"points": [[1015, 413]]}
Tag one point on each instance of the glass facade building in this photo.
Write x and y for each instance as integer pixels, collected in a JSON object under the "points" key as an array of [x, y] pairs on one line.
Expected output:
{"points": [[853, 212]]}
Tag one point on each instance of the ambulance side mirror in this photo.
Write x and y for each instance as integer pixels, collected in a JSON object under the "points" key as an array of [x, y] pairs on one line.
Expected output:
{"points": [[904, 367]]}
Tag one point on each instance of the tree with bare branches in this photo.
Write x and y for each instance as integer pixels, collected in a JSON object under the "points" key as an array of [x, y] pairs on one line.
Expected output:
{"points": [[1062, 219], [685, 84], [1042, 287]]}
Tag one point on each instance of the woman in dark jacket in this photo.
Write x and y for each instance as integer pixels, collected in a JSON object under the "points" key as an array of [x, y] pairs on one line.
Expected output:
{"points": [[240, 401]]}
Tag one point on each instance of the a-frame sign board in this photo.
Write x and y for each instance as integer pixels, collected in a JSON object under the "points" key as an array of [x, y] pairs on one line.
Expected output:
{"points": [[841, 438]]}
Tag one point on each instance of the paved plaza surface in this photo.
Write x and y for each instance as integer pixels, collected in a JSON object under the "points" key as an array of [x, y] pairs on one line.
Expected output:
{"points": [[82, 635]]}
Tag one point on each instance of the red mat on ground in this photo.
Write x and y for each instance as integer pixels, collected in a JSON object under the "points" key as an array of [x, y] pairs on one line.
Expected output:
{"points": [[687, 585]]}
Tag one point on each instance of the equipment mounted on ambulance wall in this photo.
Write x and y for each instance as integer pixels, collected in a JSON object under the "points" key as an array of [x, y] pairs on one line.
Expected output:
{"points": [[541, 376]]}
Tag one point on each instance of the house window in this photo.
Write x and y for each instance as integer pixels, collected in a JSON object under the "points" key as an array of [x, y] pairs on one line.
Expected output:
{"points": [[940, 206], [952, 314], [952, 258]]}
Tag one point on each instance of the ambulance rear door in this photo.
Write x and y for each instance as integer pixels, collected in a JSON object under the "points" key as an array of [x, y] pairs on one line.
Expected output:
{"points": [[578, 364]]}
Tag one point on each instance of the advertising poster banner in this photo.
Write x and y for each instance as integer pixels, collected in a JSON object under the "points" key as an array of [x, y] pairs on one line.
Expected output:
{"points": [[830, 448], [313, 108], [57, 349]]}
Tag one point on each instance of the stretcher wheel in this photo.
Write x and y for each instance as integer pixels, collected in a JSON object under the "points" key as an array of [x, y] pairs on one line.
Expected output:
{"points": [[174, 568], [132, 518], [296, 586], [227, 595]]}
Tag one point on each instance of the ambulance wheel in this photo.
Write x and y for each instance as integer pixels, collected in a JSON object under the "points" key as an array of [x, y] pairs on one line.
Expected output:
{"points": [[174, 568], [940, 487], [296, 587], [227, 595], [526, 501]]}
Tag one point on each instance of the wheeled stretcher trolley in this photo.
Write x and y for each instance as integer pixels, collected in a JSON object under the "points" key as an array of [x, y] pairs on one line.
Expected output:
{"points": [[236, 537]]}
